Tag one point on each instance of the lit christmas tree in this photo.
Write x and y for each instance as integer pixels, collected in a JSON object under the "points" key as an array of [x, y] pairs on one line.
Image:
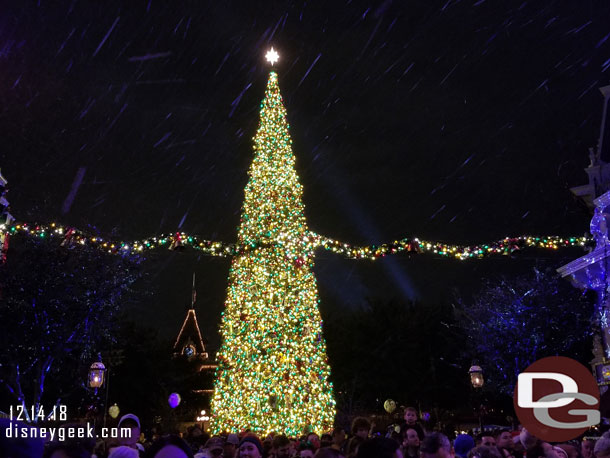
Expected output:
{"points": [[273, 370]]}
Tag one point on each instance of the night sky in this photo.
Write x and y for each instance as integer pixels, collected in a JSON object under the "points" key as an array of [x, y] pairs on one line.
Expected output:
{"points": [[461, 121]]}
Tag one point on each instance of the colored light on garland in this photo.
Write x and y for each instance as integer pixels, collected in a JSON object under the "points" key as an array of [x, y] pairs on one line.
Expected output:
{"points": [[71, 236], [312, 241], [506, 246]]}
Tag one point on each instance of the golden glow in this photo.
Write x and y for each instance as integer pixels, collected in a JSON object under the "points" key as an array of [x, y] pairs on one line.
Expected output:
{"points": [[273, 371]]}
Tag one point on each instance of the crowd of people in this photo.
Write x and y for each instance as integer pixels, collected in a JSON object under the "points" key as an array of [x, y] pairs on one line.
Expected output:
{"points": [[408, 439]]}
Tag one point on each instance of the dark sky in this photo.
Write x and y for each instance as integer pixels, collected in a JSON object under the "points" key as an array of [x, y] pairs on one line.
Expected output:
{"points": [[462, 121]]}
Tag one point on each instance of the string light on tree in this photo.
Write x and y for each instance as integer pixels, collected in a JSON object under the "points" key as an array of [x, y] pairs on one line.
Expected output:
{"points": [[273, 372]]}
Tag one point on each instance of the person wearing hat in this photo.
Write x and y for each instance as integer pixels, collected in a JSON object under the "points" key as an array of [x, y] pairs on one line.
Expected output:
{"points": [[123, 452], [230, 447], [215, 446], [462, 444], [171, 446], [130, 439], [250, 447]]}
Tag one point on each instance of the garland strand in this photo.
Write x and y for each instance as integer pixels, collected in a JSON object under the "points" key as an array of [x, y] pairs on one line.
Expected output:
{"points": [[73, 237], [505, 246]]}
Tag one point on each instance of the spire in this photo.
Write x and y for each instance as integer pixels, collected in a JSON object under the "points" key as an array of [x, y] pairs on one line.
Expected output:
{"points": [[194, 293], [189, 341]]}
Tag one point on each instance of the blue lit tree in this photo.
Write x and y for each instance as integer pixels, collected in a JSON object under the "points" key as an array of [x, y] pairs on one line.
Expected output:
{"points": [[57, 305], [512, 322]]}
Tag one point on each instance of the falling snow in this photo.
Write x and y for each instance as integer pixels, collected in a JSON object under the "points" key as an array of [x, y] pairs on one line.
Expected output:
{"points": [[444, 120]]}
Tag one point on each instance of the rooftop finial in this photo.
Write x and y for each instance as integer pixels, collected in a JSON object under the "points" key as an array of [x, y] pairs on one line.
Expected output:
{"points": [[194, 295]]}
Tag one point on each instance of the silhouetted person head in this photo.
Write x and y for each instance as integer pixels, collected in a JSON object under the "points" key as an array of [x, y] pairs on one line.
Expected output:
{"points": [[436, 445], [484, 451], [379, 447], [361, 427], [169, 447]]}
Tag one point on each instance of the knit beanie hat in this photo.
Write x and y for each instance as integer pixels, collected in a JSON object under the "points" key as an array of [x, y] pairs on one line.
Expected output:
{"points": [[123, 452], [462, 445], [253, 440]]}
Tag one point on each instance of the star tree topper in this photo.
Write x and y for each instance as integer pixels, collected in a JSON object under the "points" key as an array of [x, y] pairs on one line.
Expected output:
{"points": [[272, 56]]}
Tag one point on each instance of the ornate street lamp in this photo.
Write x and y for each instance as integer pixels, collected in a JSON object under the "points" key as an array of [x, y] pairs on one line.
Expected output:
{"points": [[476, 376], [477, 381], [96, 374]]}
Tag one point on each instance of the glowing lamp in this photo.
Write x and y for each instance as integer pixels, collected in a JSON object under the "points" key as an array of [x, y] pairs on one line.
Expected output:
{"points": [[96, 374], [606, 372], [602, 372], [476, 376], [203, 416]]}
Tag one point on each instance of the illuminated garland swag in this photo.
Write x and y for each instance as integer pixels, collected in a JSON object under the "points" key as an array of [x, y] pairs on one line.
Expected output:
{"points": [[180, 240]]}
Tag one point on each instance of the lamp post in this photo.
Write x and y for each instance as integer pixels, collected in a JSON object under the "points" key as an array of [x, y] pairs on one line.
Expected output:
{"points": [[98, 374], [97, 371], [477, 380], [204, 418]]}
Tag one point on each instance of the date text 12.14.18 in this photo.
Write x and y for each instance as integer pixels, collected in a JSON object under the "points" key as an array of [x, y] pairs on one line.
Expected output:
{"points": [[21, 413]]}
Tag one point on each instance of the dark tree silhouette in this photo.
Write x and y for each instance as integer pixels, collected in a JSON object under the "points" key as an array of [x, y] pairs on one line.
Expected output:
{"points": [[512, 322], [403, 351], [58, 306]]}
